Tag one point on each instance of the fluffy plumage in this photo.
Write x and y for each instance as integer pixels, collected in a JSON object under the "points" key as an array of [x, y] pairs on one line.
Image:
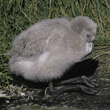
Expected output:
{"points": [[46, 49]]}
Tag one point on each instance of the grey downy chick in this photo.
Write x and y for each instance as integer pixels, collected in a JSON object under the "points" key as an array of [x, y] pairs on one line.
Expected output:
{"points": [[46, 49]]}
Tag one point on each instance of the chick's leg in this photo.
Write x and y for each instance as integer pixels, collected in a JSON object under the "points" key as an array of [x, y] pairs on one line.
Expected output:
{"points": [[79, 80], [87, 86]]}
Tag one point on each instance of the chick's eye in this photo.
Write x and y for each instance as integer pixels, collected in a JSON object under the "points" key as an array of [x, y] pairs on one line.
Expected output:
{"points": [[88, 35]]}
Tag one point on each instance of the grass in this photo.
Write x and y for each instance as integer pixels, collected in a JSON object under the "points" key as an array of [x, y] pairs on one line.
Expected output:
{"points": [[18, 15]]}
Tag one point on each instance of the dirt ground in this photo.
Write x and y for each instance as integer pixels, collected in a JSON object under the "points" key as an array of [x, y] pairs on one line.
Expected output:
{"points": [[34, 98]]}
